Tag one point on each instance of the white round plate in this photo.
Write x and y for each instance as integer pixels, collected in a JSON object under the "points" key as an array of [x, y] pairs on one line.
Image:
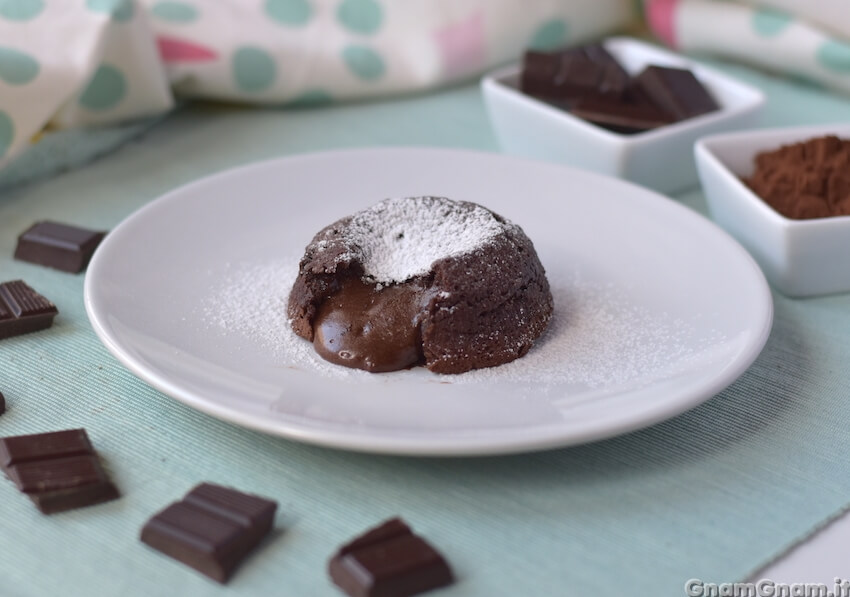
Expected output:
{"points": [[657, 309]]}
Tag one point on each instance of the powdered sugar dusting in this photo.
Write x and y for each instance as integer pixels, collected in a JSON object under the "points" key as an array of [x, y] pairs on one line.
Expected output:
{"points": [[398, 239], [596, 337]]}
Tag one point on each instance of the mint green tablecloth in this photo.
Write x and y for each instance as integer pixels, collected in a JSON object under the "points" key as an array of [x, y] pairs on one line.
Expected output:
{"points": [[713, 494]]}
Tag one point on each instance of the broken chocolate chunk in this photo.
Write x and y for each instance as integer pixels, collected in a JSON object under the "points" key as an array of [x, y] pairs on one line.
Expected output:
{"points": [[615, 79], [676, 91], [60, 246], [591, 84], [570, 74], [560, 76], [44, 446], [59, 470], [23, 310], [620, 116], [389, 561], [212, 529]]}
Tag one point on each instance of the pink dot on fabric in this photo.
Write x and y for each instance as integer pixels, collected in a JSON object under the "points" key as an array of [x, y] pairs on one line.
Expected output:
{"points": [[661, 15], [178, 50], [462, 46]]}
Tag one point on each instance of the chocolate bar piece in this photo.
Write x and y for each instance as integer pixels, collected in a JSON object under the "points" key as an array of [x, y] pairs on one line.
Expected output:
{"points": [[389, 561], [2, 404], [615, 79], [23, 310], [676, 91], [44, 446], [59, 246], [589, 82], [59, 470], [620, 116], [212, 529], [563, 76], [571, 74]]}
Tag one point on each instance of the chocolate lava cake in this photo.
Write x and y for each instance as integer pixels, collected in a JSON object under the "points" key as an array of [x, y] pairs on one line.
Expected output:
{"points": [[421, 281]]}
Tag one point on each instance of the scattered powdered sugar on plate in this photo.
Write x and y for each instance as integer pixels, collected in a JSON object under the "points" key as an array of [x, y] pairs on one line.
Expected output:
{"points": [[596, 337], [251, 301], [398, 239]]}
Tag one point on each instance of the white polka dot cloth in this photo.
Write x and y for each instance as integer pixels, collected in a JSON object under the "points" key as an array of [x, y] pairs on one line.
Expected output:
{"points": [[804, 39], [65, 63]]}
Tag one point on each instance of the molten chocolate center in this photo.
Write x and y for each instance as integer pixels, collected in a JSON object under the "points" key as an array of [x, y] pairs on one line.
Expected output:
{"points": [[375, 330]]}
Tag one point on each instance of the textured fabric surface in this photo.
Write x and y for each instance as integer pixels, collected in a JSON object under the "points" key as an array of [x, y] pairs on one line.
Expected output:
{"points": [[69, 64], [72, 148], [711, 494], [808, 40]]}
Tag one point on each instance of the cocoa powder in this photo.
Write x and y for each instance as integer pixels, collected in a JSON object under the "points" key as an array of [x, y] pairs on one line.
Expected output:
{"points": [[805, 180]]}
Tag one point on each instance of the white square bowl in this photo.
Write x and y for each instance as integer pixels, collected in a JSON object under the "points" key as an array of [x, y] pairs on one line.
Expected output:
{"points": [[661, 159], [799, 257]]}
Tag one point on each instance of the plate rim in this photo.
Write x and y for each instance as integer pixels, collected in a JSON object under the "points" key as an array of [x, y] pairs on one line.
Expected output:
{"points": [[547, 440]]}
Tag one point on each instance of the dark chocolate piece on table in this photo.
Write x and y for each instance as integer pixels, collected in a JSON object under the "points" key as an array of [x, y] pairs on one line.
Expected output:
{"points": [[60, 500], [676, 91], [620, 116], [60, 246], [58, 470], [212, 529], [44, 446], [389, 561], [383, 532], [23, 310], [56, 474]]}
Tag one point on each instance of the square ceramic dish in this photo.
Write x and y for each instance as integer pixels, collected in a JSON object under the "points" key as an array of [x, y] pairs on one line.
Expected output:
{"points": [[800, 257], [661, 159]]}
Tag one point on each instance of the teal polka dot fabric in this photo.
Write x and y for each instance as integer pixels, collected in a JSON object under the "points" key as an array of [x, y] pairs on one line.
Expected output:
{"points": [[136, 56], [293, 13], [768, 23], [119, 10], [106, 89], [549, 36], [364, 62], [7, 132], [254, 69], [834, 56], [175, 12], [296, 53], [310, 98], [16, 67], [360, 16], [810, 44], [20, 10]]}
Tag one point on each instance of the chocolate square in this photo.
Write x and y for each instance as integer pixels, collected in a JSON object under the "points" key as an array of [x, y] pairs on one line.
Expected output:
{"points": [[55, 474], [59, 470], [389, 561], [620, 116], [43, 446], [562, 76], [676, 91], [589, 82], [23, 310], [60, 246], [212, 529]]}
